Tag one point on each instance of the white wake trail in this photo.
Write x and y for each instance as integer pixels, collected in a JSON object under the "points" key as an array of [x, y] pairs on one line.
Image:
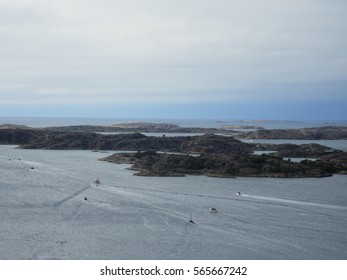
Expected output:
{"points": [[296, 202]]}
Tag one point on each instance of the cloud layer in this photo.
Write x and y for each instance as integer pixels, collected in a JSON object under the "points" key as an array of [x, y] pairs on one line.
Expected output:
{"points": [[171, 52]]}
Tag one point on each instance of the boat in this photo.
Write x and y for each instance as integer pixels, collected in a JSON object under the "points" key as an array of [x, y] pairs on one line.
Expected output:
{"points": [[212, 210], [96, 182], [191, 220], [238, 193]]}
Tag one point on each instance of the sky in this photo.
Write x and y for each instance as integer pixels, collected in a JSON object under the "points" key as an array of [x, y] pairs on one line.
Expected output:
{"points": [[228, 59]]}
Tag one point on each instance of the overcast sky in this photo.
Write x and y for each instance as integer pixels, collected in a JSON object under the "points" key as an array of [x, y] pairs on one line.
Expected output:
{"points": [[174, 58]]}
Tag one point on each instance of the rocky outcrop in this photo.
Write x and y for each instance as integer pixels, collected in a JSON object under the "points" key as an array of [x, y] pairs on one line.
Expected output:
{"points": [[62, 141], [12, 126], [215, 155], [210, 143], [147, 126], [292, 150], [139, 128], [333, 163], [219, 165], [92, 141], [339, 159], [314, 133], [10, 136], [136, 142], [242, 127]]}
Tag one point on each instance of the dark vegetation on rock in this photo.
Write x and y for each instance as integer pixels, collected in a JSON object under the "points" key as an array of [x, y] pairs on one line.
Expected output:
{"points": [[10, 136], [226, 165], [140, 127], [292, 150], [134, 142], [214, 155]]}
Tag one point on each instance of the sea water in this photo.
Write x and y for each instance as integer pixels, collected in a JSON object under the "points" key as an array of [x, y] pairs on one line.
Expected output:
{"points": [[49, 209], [204, 123]]}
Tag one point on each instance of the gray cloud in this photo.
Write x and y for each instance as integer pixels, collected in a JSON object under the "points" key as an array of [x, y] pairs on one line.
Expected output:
{"points": [[169, 51]]}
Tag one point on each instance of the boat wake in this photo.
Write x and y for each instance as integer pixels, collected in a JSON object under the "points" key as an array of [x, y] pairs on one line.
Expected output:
{"points": [[295, 202]]}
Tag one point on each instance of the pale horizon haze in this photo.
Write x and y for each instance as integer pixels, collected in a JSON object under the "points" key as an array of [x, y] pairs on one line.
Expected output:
{"points": [[174, 59]]}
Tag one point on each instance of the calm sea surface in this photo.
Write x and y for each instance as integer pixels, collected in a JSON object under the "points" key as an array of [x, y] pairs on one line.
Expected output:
{"points": [[269, 124], [49, 209]]}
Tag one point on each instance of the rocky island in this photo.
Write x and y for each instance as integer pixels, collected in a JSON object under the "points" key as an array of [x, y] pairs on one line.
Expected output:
{"points": [[314, 133], [141, 127], [208, 154], [252, 127], [151, 163]]}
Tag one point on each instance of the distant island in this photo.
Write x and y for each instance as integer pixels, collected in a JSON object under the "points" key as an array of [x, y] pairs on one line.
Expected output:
{"points": [[151, 163], [144, 127], [314, 133], [269, 121], [147, 126], [208, 154], [242, 127]]}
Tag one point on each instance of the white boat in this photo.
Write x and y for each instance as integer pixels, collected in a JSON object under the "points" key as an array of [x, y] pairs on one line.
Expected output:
{"points": [[96, 182], [212, 210]]}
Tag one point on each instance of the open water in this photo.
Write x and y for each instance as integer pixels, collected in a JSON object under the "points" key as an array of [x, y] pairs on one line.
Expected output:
{"points": [[49, 208]]}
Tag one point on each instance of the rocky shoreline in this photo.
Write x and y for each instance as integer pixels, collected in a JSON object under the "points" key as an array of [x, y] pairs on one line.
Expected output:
{"points": [[314, 133], [208, 154], [142, 128], [228, 165]]}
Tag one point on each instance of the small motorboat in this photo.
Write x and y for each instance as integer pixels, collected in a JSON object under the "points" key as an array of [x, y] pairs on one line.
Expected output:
{"points": [[191, 219], [96, 182], [212, 210], [238, 193]]}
